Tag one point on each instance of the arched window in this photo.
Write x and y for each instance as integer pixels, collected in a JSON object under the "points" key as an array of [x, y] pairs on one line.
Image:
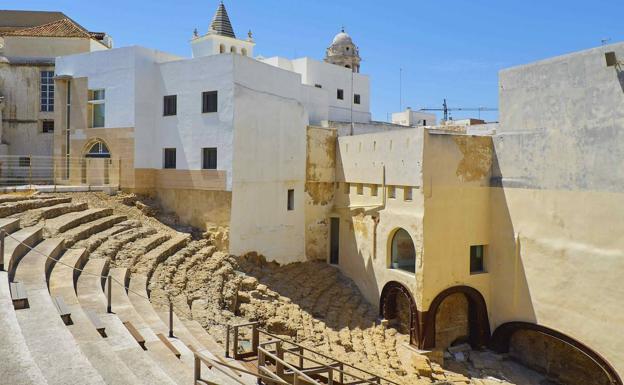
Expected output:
{"points": [[403, 254], [347, 66], [244, 51], [98, 150], [222, 48], [233, 49]]}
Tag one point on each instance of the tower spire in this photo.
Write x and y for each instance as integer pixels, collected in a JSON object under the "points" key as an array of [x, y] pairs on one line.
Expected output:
{"points": [[221, 22]]}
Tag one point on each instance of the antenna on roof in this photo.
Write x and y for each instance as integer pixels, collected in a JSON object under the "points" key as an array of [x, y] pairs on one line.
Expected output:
{"points": [[446, 110], [605, 41]]}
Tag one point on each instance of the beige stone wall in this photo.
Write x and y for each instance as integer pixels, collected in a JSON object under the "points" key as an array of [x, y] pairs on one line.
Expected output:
{"points": [[320, 189], [452, 321], [198, 208], [555, 358], [28, 46]]}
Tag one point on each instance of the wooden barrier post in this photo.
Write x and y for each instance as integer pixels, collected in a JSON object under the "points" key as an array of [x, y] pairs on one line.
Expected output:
{"points": [[227, 341], [170, 318], [197, 371], [235, 342], [1, 249], [109, 307], [255, 338]]}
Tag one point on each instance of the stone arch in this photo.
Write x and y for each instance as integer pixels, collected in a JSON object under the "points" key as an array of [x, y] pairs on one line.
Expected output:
{"points": [[222, 48], [391, 295], [401, 250], [96, 148], [244, 51], [232, 49], [478, 321], [501, 342]]}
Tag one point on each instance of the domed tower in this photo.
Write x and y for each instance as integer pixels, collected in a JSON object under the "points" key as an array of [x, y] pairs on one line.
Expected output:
{"points": [[343, 52]]}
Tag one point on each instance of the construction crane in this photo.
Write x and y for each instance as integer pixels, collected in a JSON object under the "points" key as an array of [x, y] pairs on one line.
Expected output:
{"points": [[446, 109]]}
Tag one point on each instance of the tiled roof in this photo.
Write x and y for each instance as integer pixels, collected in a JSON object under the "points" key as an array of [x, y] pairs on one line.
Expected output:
{"points": [[221, 23], [12, 20], [60, 28]]}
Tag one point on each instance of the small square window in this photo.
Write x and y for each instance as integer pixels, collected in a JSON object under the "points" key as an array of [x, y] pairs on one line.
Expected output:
{"points": [[47, 126], [291, 200], [360, 189], [169, 158], [209, 158], [340, 94], [477, 259], [374, 190], [209, 101], [24, 161], [407, 193], [347, 188], [170, 105], [356, 99], [391, 192]]}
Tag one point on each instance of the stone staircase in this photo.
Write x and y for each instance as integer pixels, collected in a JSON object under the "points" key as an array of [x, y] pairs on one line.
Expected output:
{"points": [[61, 254]]}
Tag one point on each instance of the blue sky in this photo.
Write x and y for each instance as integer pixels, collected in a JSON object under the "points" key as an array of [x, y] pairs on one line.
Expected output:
{"points": [[450, 48]]}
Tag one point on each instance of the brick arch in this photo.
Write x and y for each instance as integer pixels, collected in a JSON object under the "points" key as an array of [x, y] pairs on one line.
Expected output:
{"points": [[478, 321], [388, 307], [501, 339]]}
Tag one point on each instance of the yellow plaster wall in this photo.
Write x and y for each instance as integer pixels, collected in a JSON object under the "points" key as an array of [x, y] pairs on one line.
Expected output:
{"points": [[558, 261], [456, 176], [31, 46]]}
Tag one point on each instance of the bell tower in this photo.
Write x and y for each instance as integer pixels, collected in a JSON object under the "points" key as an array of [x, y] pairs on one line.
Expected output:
{"points": [[343, 52]]}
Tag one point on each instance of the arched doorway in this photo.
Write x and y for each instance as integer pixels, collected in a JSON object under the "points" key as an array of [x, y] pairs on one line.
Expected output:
{"points": [[402, 251], [397, 305], [470, 305], [96, 163], [553, 353]]}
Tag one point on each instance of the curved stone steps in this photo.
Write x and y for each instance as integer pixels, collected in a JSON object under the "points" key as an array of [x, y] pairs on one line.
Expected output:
{"points": [[32, 217], [51, 345], [122, 306], [183, 338], [17, 366], [94, 242], [112, 247], [91, 296], [17, 244], [13, 208], [10, 225], [112, 369], [69, 221], [146, 264], [128, 254], [88, 229], [7, 198]]}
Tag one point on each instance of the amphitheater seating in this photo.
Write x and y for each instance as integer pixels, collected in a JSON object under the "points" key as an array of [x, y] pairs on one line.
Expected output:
{"points": [[66, 335]]}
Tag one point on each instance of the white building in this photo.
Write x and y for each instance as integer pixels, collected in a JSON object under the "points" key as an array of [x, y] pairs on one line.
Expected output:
{"points": [[222, 129]]}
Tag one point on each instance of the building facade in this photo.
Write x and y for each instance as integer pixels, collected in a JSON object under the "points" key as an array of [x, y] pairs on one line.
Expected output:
{"points": [[29, 43]]}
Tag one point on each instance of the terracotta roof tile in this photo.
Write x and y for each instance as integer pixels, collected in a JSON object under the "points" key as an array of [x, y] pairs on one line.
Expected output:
{"points": [[60, 28]]}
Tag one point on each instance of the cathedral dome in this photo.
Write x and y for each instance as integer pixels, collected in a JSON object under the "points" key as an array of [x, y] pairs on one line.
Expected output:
{"points": [[342, 38]]}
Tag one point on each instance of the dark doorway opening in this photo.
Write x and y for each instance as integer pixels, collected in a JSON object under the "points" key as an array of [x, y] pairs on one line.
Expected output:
{"points": [[334, 241]]}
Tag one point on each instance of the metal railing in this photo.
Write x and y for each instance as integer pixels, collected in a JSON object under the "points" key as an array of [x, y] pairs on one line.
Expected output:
{"points": [[16, 170], [273, 367], [309, 360]]}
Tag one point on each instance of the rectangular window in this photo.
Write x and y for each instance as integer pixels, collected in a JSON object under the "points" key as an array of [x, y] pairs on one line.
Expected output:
{"points": [[47, 91], [209, 101], [318, 86], [169, 158], [347, 188], [374, 190], [391, 192], [291, 200], [340, 94], [47, 126], [407, 193], [24, 161], [477, 259], [209, 158], [356, 99], [170, 105], [360, 189], [97, 108]]}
